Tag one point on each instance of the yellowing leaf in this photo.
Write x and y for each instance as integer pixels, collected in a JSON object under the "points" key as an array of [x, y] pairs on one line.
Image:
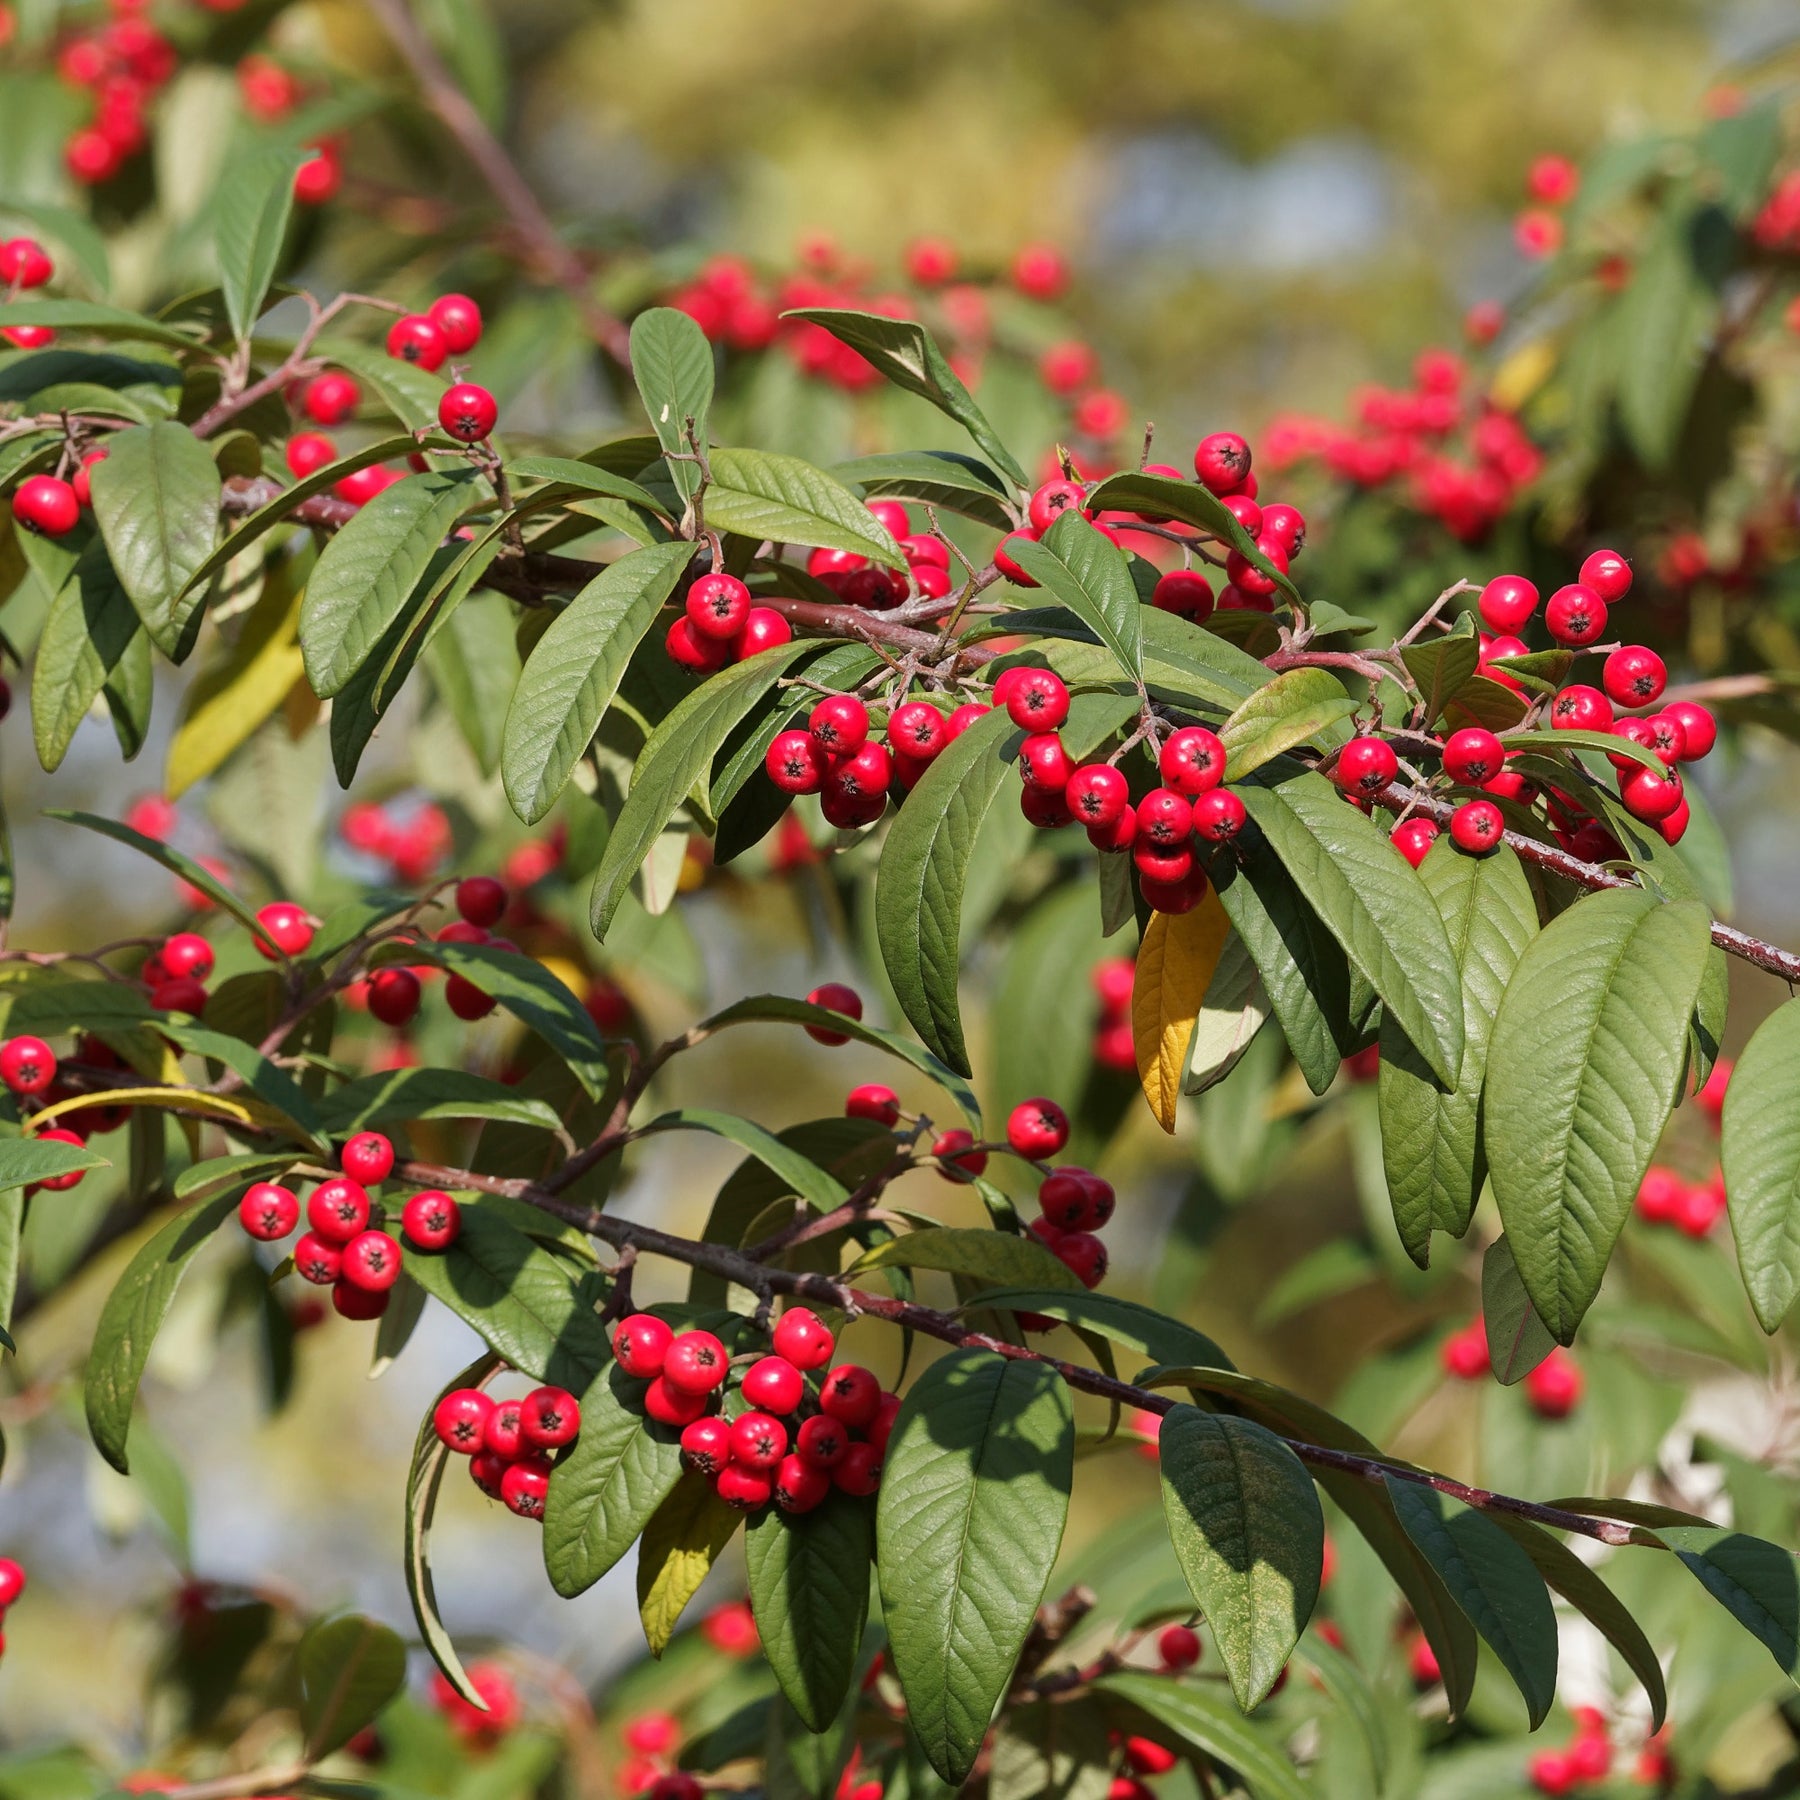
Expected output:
{"points": [[240, 1111], [1522, 374], [678, 1549], [1175, 967]]}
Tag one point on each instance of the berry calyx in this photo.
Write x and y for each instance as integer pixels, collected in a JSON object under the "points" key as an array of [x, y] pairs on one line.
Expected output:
{"points": [[706, 1445], [1096, 795], [744, 1488], [834, 996], [1218, 816], [187, 954], [918, 730], [1634, 676], [467, 412], [525, 1486], [1054, 499], [316, 1259], [371, 1260], [1581, 708], [758, 1440], [839, 725], [795, 763], [268, 1211], [415, 339], [337, 1210], [822, 1441], [549, 1418], [1221, 461]]}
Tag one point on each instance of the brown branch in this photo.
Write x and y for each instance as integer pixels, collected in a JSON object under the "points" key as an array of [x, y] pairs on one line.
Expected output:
{"points": [[440, 92]]}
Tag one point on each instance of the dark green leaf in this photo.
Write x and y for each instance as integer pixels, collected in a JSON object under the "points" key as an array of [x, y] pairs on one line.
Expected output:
{"points": [[24, 1160], [1293, 709], [941, 478], [1140, 1328], [760, 494], [84, 317], [253, 211], [403, 1095], [1201, 1717], [672, 363], [802, 1176], [350, 1668], [86, 638], [1760, 1146], [1079, 566], [1517, 1339], [1441, 665], [566, 471], [1756, 1582]]}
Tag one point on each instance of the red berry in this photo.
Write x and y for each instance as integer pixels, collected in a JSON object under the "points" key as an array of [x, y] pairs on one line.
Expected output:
{"points": [[1699, 729], [850, 1394], [1413, 838], [415, 339], [179, 993], [1097, 795], [1507, 603], [1184, 591], [1365, 766], [1244, 509], [268, 1212], [773, 1384], [307, 452], [802, 1339], [525, 1486], [467, 412], [187, 953], [744, 1488], [503, 1433], [1045, 764], [839, 725], [717, 606], [795, 763], [1221, 461], [1083, 1254], [1666, 738], [1037, 1129], [481, 900], [1054, 499], [1650, 796], [1192, 760], [875, 1102], [487, 1471], [706, 1445], [687, 649], [1148, 1757], [1477, 827], [1659, 1196], [549, 1418], [652, 1734], [880, 1428], [317, 1260], [1163, 865], [670, 1406], [640, 1344], [1581, 708], [458, 320], [800, 1485], [859, 1472], [1037, 701], [1218, 816], [1608, 574], [758, 1441], [822, 1441], [368, 1157], [1178, 1647], [1120, 835], [1464, 1354], [834, 996], [1554, 1386], [1180, 895], [1247, 578], [24, 263], [956, 1160], [1472, 756], [695, 1363], [460, 1420], [284, 930], [918, 730], [371, 1260], [350, 1300], [431, 1220], [1634, 676], [1040, 272], [82, 480], [46, 505], [394, 996], [764, 629], [1284, 525], [331, 398], [1576, 616], [27, 1065], [1164, 819], [337, 1210]]}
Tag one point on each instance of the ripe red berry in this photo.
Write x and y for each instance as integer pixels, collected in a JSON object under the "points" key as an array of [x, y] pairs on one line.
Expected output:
{"points": [[415, 339], [268, 1211], [1477, 827], [835, 997], [918, 729], [458, 320], [1178, 1647], [1365, 766], [859, 1472], [1072, 1199], [317, 1260], [487, 1471], [371, 1260], [368, 1157], [82, 480], [695, 1363], [1180, 895], [1413, 838], [481, 900], [394, 996], [956, 1160], [1120, 835], [1472, 756], [1634, 676], [1044, 763], [337, 1210], [758, 1441], [350, 1300], [466, 1000], [839, 725], [880, 1428], [873, 1101], [1464, 1354], [687, 649], [1186, 592], [460, 1420], [822, 1441], [1507, 603], [284, 930], [431, 1220], [1554, 1386], [549, 1418], [1037, 1128], [1665, 736], [640, 1343], [795, 763], [467, 412], [24, 263], [800, 1485], [307, 452], [706, 1445], [187, 953], [803, 1340], [764, 629], [1037, 700], [1221, 461], [27, 1065], [1054, 499], [1040, 272], [670, 1406], [1581, 708], [1608, 574], [1576, 616], [744, 1488], [1284, 525], [179, 993], [1164, 819], [525, 1487], [1650, 796], [47, 505], [1247, 578], [1218, 816], [1096, 795], [1192, 760], [1083, 1254], [503, 1433], [850, 1394], [773, 1384], [1699, 729], [331, 398], [717, 606]]}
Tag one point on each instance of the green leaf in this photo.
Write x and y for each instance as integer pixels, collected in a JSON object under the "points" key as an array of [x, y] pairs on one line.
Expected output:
{"points": [[1517, 1338], [350, 1668], [24, 1160], [976, 1486], [1756, 1582], [1141, 1328], [73, 231], [566, 471], [1293, 709], [1020, 1262], [1352, 1692], [1249, 1536], [267, 1080], [365, 575], [1373, 904], [574, 672], [605, 1488], [132, 1315], [760, 494], [403, 1095], [86, 638], [681, 1543], [1200, 1717], [940, 478], [907, 354], [1051, 1750], [1584, 1067], [672, 364], [1078, 565], [519, 1299], [809, 1588], [86, 318], [1492, 1580], [672, 762], [409, 392], [253, 210], [1442, 665], [1430, 1134], [1760, 1147], [1602, 743], [156, 498]]}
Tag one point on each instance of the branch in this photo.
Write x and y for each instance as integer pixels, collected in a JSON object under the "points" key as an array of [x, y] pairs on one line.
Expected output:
{"points": [[440, 92]]}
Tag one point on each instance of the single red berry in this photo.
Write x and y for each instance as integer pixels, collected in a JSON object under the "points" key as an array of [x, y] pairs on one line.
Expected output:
{"points": [[1477, 827], [1507, 603], [487, 1471], [351, 1300], [1665, 738], [795, 763], [1576, 616], [1096, 795], [1365, 766], [466, 1000], [802, 1339], [431, 1220], [394, 996], [525, 1486], [331, 398], [27, 1065], [918, 729], [503, 1434], [458, 320], [1044, 763], [695, 1363], [481, 900], [1054, 499], [1148, 1757], [371, 1260], [1464, 1354], [460, 1420], [1608, 574], [1178, 1647], [1634, 676], [317, 1260], [1247, 578], [467, 412], [46, 505], [1192, 760], [284, 930], [717, 606], [82, 481], [1221, 461], [839, 725], [179, 993], [1554, 1386], [1699, 729], [268, 1211], [850, 1394], [670, 1406], [307, 452], [652, 1734], [1084, 1255], [1284, 525], [337, 1210], [1659, 1196], [875, 1102], [773, 1384], [859, 1472], [1162, 865], [1164, 820], [744, 1488], [187, 953], [1186, 592], [758, 1441], [880, 1428], [1649, 795], [1037, 1129], [640, 1344], [368, 1157], [415, 339], [1120, 835], [1581, 708], [834, 996], [822, 1441], [922, 548], [687, 649], [1413, 838], [957, 1161], [706, 1445], [800, 1485], [1244, 508], [764, 629], [1175, 896], [1472, 756], [675, 1784], [1218, 816], [1422, 1663], [1037, 700], [1040, 272], [24, 263], [549, 1418]]}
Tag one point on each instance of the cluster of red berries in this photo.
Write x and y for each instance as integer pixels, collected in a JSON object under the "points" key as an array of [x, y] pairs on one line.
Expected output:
{"points": [[480, 1730], [268, 90], [780, 1441], [1553, 1388], [25, 264], [719, 623], [863, 584], [508, 1442], [1692, 1207], [652, 1739], [1115, 1045], [12, 1585], [345, 1247], [1550, 184], [1588, 1756], [412, 846], [122, 64], [29, 1068], [1461, 457]]}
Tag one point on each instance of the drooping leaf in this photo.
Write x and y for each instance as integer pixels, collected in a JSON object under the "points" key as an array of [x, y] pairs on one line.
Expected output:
{"points": [[566, 471], [177, 862], [1760, 1147], [1141, 1328], [403, 1095], [24, 1160], [976, 1486], [1249, 1536], [1517, 1339], [1757, 1582], [941, 478], [681, 1543], [88, 634], [1584, 1066], [672, 364], [1201, 1717], [350, 1668], [1234, 1010], [1077, 565], [762, 494], [1292, 709], [802, 1176], [1175, 966], [253, 211]]}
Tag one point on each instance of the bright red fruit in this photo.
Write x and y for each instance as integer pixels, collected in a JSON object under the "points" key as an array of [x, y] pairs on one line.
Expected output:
{"points": [[1608, 574], [850, 1394], [802, 1339], [368, 1157], [1554, 1386], [1184, 591], [460, 1420], [1036, 700], [1365, 766], [640, 1343], [1634, 676], [695, 1363], [1037, 1129], [467, 412], [27, 1065], [773, 1384], [415, 339], [458, 320], [268, 1211], [1221, 461], [1477, 827], [372, 1261], [46, 505], [1507, 603], [1178, 1647], [1192, 760], [717, 606], [1414, 837], [337, 1210], [1097, 795], [431, 1220], [1576, 616], [285, 930], [835, 997], [875, 1102], [549, 1418]]}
